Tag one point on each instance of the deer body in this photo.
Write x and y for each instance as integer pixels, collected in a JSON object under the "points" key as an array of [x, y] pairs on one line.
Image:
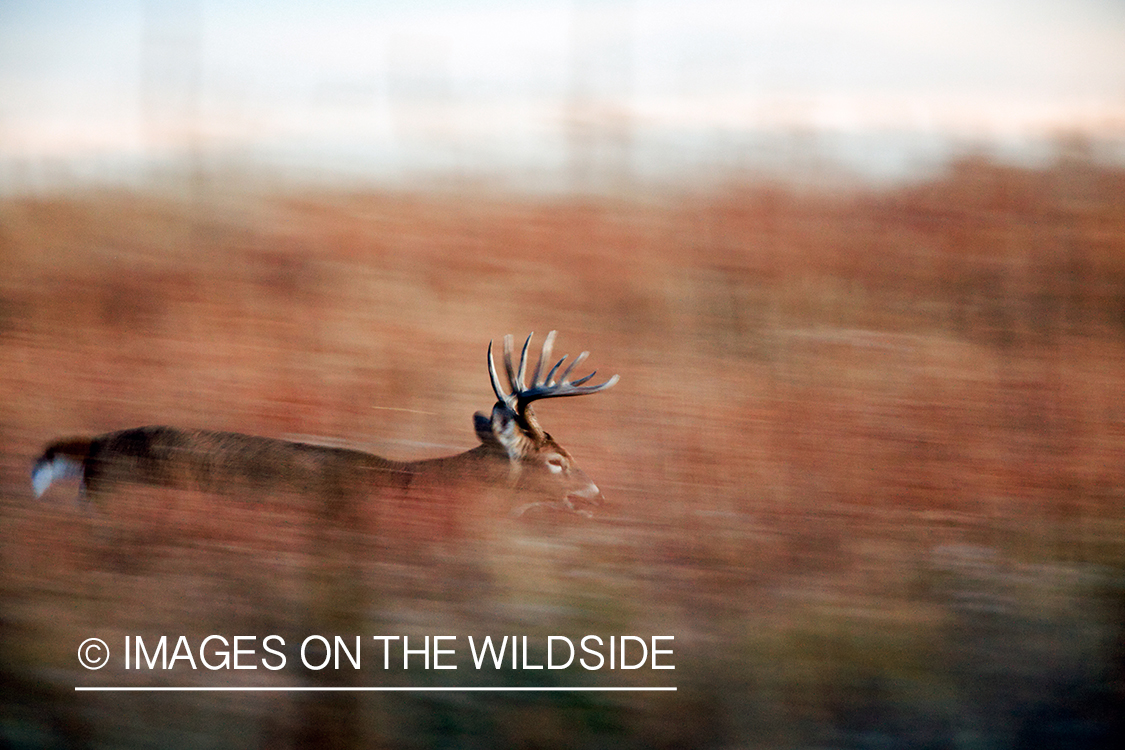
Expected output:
{"points": [[201, 460], [514, 452]]}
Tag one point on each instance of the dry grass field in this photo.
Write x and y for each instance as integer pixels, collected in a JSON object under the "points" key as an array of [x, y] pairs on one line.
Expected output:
{"points": [[866, 460]]}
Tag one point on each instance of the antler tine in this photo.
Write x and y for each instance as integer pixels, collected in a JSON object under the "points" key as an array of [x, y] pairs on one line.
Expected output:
{"points": [[595, 388], [508, 367], [496, 387], [607, 384], [583, 379], [523, 363], [577, 361], [544, 358], [550, 379]]}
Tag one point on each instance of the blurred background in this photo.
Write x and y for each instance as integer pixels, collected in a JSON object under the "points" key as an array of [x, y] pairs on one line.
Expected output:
{"points": [[860, 266]]}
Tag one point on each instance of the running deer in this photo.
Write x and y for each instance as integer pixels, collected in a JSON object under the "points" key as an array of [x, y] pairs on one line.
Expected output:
{"points": [[514, 451]]}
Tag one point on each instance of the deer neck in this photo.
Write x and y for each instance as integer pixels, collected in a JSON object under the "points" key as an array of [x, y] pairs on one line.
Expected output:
{"points": [[482, 463]]}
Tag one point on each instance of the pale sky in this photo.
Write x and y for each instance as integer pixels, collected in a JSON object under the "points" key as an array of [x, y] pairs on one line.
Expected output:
{"points": [[503, 84]]}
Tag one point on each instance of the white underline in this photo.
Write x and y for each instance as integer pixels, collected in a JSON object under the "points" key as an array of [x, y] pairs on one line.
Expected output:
{"points": [[264, 689]]}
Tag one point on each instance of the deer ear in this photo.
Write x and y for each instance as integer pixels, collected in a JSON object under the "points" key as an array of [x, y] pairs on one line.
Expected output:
{"points": [[483, 427], [501, 430]]}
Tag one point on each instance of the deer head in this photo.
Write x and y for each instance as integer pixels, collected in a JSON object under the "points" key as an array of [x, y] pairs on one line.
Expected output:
{"points": [[538, 465]]}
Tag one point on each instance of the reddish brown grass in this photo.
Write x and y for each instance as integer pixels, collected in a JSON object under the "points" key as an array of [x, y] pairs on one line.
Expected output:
{"points": [[865, 458]]}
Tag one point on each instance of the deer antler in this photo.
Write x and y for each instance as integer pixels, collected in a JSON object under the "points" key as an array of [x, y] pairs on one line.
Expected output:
{"points": [[541, 387]]}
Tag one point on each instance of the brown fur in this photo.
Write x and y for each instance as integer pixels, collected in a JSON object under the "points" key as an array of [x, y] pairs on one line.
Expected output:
{"points": [[223, 462]]}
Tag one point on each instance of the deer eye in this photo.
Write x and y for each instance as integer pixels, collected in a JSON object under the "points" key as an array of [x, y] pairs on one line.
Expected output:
{"points": [[555, 464]]}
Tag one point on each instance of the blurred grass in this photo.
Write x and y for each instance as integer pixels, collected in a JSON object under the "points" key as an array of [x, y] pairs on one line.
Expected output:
{"points": [[864, 462]]}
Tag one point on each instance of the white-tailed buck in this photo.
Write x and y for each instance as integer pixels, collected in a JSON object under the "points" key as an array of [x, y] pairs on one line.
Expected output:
{"points": [[514, 451]]}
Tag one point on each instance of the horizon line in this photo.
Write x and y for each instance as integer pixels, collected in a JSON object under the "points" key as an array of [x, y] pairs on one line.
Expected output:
{"points": [[371, 689]]}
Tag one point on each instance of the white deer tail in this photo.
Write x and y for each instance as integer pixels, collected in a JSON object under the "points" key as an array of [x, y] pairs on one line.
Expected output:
{"points": [[66, 460]]}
